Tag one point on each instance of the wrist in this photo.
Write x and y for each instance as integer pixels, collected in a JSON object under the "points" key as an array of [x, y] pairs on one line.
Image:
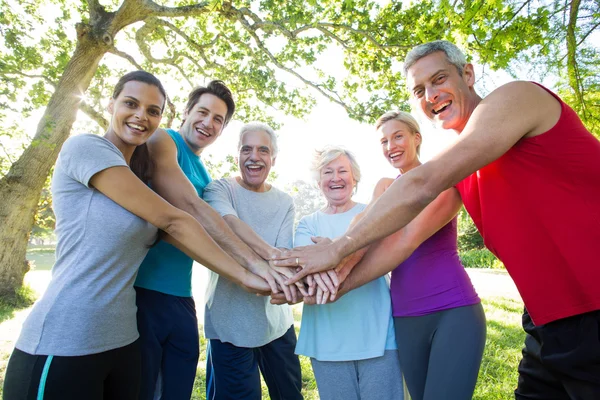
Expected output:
{"points": [[341, 247]]}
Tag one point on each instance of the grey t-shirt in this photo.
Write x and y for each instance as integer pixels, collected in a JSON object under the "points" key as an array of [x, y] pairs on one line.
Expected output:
{"points": [[89, 305], [231, 314]]}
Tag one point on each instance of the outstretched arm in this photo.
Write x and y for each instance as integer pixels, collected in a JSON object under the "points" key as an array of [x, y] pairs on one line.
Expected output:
{"points": [[495, 126], [385, 255], [124, 188], [169, 181]]}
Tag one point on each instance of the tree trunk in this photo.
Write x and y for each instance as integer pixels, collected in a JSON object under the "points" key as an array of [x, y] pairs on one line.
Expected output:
{"points": [[20, 189]]}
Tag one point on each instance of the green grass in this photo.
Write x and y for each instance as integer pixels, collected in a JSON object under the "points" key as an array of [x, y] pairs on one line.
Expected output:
{"points": [[497, 376], [41, 257], [498, 373]]}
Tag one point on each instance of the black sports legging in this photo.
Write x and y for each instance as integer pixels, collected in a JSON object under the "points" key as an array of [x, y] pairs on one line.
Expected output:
{"points": [[113, 374]]}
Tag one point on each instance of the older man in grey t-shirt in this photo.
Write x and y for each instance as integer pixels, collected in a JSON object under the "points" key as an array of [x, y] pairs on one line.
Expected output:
{"points": [[246, 332]]}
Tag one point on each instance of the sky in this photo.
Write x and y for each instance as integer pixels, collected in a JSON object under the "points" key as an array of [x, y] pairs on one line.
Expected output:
{"points": [[328, 124]]}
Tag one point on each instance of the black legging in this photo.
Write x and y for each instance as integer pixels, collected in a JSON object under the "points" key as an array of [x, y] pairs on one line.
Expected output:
{"points": [[113, 374], [440, 353]]}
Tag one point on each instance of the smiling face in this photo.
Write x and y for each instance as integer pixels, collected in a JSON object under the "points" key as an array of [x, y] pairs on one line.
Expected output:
{"points": [[255, 160], [442, 94], [204, 122], [399, 144], [337, 182], [136, 113]]}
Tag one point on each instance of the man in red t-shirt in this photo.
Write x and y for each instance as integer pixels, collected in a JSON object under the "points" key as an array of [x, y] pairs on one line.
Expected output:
{"points": [[529, 174]]}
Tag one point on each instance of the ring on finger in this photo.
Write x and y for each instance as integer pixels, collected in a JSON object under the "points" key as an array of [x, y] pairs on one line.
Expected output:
{"points": [[297, 262]]}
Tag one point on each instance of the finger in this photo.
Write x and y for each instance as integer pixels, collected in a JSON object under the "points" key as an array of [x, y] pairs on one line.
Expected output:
{"points": [[281, 281], [287, 292], [327, 281], [293, 293], [310, 280], [319, 282], [272, 283], [298, 276], [293, 253], [287, 262], [319, 294], [302, 288], [334, 278], [320, 240]]}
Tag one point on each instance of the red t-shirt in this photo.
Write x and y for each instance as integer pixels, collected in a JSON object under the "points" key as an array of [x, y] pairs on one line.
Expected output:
{"points": [[538, 210]]}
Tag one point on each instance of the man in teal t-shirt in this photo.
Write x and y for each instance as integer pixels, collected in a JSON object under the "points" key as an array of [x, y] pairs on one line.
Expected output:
{"points": [[166, 311]]}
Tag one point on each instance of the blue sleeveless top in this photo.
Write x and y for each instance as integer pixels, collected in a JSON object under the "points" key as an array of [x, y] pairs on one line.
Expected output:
{"points": [[166, 269]]}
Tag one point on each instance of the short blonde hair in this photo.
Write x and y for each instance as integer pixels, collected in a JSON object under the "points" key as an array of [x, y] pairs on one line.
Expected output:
{"points": [[327, 154], [403, 117]]}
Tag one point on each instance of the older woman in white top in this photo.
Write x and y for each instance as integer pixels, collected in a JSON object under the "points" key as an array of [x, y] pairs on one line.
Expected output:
{"points": [[350, 342]]}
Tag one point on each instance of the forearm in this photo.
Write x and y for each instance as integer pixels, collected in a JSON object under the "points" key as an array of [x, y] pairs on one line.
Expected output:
{"points": [[225, 237], [400, 203], [376, 263], [191, 238], [249, 237]]}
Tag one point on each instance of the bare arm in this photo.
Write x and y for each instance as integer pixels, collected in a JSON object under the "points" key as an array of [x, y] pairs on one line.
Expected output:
{"points": [[385, 255], [124, 188], [169, 181], [248, 236], [495, 126]]}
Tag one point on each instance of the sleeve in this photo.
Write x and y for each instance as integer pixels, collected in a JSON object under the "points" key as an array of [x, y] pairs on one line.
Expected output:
{"points": [[83, 156], [220, 197], [285, 237], [304, 232]]}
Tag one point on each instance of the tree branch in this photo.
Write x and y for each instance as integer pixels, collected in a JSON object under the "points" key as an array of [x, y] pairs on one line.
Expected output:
{"points": [[122, 54], [94, 115]]}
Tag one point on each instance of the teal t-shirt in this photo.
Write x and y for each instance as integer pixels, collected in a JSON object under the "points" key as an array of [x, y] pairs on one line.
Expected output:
{"points": [[166, 269], [359, 325]]}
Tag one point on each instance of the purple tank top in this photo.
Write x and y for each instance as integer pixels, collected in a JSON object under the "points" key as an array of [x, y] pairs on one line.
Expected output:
{"points": [[432, 279]]}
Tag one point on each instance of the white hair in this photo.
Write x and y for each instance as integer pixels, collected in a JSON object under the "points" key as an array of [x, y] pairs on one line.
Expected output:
{"points": [[328, 154], [453, 54], [259, 126]]}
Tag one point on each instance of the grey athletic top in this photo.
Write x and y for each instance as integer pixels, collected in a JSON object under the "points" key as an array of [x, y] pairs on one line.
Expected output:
{"points": [[231, 314], [89, 305]]}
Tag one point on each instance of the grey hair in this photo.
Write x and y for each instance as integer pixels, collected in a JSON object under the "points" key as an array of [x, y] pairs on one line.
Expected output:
{"points": [[328, 154], [406, 119], [259, 126], [453, 54]]}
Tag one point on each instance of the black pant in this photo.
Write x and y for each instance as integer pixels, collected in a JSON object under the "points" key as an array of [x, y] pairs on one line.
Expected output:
{"points": [[113, 374], [232, 372], [561, 359]]}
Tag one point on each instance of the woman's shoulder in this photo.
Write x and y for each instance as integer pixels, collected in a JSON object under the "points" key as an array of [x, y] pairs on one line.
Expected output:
{"points": [[87, 142]]}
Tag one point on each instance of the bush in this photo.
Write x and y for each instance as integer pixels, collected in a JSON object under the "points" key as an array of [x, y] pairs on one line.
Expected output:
{"points": [[480, 258], [468, 235]]}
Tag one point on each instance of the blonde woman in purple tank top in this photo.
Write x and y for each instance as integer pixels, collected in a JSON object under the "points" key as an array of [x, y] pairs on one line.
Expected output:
{"points": [[439, 322]]}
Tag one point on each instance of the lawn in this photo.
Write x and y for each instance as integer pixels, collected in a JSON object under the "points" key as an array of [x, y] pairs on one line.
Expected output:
{"points": [[498, 373], [497, 376]]}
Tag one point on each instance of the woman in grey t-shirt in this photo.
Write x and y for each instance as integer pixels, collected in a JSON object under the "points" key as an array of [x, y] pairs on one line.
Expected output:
{"points": [[80, 340]]}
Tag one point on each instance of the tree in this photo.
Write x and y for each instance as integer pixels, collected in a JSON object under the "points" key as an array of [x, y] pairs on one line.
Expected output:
{"points": [[307, 198], [64, 55]]}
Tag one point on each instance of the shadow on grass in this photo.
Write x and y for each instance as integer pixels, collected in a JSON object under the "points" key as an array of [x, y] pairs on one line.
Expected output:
{"points": [[24, 298]]}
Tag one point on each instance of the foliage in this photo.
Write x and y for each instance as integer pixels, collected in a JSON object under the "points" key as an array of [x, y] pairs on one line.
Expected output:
{"points": [[307, 198], [45, 220], [24, 298], [469, 237], [65, 55], [480, 258]]}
